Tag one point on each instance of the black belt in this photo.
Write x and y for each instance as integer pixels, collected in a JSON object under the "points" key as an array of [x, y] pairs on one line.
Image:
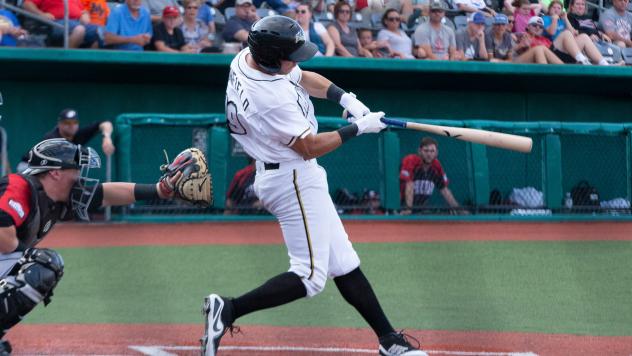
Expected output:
{"points": [[270, 166]]}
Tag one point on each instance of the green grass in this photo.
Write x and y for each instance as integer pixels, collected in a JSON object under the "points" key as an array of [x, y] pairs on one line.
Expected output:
{"points": [[551, 287]]}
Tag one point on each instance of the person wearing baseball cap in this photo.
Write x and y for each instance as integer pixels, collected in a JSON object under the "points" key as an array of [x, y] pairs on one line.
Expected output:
{"points": [[532, 47], [168, 36], [432, 39], [237, 27], [498, 40], [470, 41], [68, 127]]}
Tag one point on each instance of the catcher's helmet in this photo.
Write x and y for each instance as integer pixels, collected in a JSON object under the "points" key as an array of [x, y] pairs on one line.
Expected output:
{"points": [[58, 153], [276, 38]]}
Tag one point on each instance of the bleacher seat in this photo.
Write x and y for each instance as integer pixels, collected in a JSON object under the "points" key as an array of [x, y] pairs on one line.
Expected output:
{"points": [[612, 53], [627, 55], [265, 12], [229, 12], [460, 22]]}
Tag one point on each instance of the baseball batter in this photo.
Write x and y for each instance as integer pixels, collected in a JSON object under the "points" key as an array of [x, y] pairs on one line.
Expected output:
{"points": [[270, 114]]}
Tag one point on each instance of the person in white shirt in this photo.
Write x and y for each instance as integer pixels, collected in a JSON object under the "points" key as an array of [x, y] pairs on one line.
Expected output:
{"points": [[269, 112]]}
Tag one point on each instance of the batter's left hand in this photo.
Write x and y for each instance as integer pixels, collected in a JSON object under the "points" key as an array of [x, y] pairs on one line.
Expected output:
{"points": [[354, 107], [371, 123]]}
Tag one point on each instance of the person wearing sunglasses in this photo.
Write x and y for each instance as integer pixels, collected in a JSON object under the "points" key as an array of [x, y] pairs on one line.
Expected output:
{"points": [[400, 45], [568, 43], [433, 39], [315, 31], [345, 38], [533, 47], [197, 33]]}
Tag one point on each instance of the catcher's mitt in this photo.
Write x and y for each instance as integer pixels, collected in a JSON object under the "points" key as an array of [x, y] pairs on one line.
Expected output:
{"points": [[195, 186]]}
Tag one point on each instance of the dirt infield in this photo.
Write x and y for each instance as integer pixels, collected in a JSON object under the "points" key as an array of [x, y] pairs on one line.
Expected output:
{"points": [[101, 235], [138, 339], [181, 339]]}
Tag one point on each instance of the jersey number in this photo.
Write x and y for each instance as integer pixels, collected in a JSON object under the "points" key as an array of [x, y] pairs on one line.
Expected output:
{"points": [[232, 118]]}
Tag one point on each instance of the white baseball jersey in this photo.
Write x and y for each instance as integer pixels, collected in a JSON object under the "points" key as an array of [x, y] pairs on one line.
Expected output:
{"points": [[266, 114]]}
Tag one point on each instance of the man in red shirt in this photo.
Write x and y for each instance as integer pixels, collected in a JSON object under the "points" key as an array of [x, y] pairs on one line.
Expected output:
{"points": [[420, 174], [81, 32]]}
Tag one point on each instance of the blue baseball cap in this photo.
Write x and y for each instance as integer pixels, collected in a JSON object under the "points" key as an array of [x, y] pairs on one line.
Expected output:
{"points": [[500, 19], [477, 18]]}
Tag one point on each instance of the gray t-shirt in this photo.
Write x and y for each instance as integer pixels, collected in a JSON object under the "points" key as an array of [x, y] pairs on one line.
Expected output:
{"points": [[469, 46], [155, 7], [500, 50], [440, 40], [400, 43], [611, 21], [349, 40], [234, 25]]}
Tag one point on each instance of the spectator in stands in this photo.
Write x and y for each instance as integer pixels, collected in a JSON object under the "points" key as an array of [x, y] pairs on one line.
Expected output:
{"points": [[345, 38], [10, 29], [279, 6], [498, 40], [204, 14], [68, 128], [237, 27], [378, 49], [616, 22], [197, 34], [433, 39], [511, 6], [168, 36], [470, 41], [155, 8], [524, 12], [401, 45], [98, 10], [413, 9], [420, 174], [128, 27], [81, 32], [315, 32], [532, 47], [241, 197], [584, 23], [472, 6], [569, 44]]}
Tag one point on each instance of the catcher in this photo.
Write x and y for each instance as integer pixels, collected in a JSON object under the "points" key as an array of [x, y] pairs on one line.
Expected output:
{"points": [[56, 187]]}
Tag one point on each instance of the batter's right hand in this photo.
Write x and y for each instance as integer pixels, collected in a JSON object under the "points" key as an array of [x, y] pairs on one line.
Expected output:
{"points": [[355, 108], [371, 123]]}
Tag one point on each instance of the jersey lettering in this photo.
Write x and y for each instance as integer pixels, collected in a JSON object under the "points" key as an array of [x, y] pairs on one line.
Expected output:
{"points": [[232, 118]]}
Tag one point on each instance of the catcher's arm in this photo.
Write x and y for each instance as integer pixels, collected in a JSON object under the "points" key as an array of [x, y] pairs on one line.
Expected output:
{"points": [[123, 193]]}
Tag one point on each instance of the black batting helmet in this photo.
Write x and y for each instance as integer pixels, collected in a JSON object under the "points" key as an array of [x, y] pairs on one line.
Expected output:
{"points": [[276, 38], [59, 153]]}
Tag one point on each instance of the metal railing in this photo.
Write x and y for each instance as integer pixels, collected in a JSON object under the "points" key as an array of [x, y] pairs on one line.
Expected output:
{"points": [[65, 26]]}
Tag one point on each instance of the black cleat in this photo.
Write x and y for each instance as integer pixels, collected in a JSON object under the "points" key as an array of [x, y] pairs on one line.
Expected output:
{"points": [[218, 313], [397, 344]]}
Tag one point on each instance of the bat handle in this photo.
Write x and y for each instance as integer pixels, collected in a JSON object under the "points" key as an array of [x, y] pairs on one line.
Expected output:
{"points": [[393, 122]]}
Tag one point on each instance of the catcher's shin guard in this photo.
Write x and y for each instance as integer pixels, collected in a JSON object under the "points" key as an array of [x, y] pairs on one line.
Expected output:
{"points": [[31, 281]]}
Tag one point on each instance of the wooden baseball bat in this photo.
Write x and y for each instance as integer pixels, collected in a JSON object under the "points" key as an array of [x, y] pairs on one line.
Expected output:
{"points": [[489, 138]]}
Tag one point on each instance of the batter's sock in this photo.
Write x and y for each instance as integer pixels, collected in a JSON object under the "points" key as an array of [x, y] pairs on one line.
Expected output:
{"points": [[279, 290], [357, 291]]}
